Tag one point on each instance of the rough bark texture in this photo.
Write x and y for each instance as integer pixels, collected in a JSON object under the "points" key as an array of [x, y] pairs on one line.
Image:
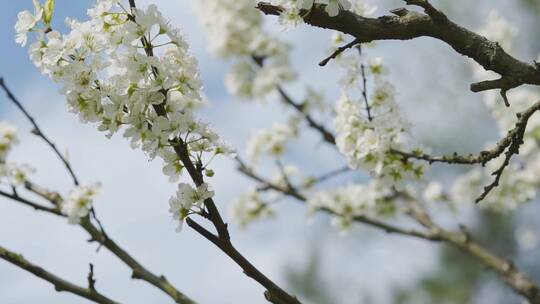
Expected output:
{"points": [[409, 25]]}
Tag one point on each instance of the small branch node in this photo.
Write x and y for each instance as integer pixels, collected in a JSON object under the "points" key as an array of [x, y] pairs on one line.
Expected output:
{"points": [[91, 279]]}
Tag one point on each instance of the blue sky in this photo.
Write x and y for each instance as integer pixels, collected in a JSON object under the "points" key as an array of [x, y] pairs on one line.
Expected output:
{"points": [[134, 204]]}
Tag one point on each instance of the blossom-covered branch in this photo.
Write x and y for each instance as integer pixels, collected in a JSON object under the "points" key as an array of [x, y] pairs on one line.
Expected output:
{"points": [[78, 208], [89, 293], [462, 240], [292, 191], [274, 293]]}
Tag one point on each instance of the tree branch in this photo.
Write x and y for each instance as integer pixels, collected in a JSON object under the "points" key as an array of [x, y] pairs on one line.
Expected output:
{"points": [[274, 293], [97, 234], [139, 271], [338, 51], [410, 25], [292, 192], [463, 241], [60, 284], [516, 279], [300, 109], [510, 143], [38, 132], [516, 136], [26, 202]]}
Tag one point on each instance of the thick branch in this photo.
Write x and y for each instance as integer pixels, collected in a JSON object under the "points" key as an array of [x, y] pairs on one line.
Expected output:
{"points": [[59, 283], [410, 25]]}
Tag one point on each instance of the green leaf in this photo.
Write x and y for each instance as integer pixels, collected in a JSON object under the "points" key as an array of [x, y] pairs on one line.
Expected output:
{"points": [[48, 10]]}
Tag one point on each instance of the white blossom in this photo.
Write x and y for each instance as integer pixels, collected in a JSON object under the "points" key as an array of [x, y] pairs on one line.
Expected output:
{"points": [[186, 198], [270, 142], [79, 201], [333, 6], [8, 137], [18, 173], [108, 80], [26, 21], [354, 200], [291, 8], [248, 208]]}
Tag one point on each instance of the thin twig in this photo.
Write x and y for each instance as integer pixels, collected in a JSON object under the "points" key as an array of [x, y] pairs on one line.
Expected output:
{"points": [[338, 52], [38, 131], [364, 86], [300, 109], [332, 174], [31, 204], [516, 136], [91, 279], [513, 136]]}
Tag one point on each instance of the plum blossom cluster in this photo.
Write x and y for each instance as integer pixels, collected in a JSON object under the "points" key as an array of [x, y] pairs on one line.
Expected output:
{"points": [[130, 70], [79, 201], [294, 11], [270, 142], [250, 207], [187, 200], [370, 128], [261, 61], [373, 199]]}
